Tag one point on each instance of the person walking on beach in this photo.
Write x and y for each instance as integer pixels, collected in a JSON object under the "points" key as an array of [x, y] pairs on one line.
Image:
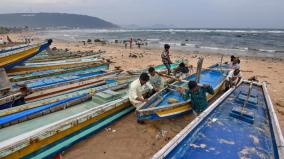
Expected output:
{"points": [[166, 58], [197, 93], [130, 43]]}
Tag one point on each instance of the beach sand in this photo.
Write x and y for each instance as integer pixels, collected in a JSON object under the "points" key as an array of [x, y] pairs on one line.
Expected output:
{"points": [[132, 140]]}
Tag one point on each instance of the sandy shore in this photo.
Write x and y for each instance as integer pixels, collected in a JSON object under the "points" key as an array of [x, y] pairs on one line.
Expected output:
{"points": [[131, 140]]}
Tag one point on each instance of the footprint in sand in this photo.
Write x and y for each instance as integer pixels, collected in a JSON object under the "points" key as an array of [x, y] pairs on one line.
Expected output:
{"points": [[280, 103], [280, 111]]}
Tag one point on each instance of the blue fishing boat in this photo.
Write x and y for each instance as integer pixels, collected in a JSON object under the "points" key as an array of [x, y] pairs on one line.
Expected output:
{"points": [[29, 75], [56, 131], [14, 48], [160, 105], [49, 105], [8, 60], [67, 77], [242, 123], [73, 79]]}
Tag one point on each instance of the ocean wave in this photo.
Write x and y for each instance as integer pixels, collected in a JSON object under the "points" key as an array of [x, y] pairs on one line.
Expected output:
{"points": [[170, 31]]}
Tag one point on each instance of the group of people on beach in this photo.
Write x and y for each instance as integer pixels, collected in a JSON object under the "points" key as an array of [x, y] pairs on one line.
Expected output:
{"points": [[138, 42], [154, 82]]}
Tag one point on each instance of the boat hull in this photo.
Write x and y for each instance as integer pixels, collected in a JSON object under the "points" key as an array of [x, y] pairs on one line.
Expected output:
{"points": [[217, 134], [50, 139], [15, 59], [171, 110]]}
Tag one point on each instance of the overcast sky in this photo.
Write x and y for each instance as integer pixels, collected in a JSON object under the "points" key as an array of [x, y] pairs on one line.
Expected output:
{"points": [[181, 13]]}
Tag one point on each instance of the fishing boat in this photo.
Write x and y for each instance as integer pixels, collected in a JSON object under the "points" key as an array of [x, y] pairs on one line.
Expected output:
{"points": [[64, 61], [45, 136], [17, 57], [69, 77], [23, 76], [45, 92], [56, 131], [160, 105], [62, 82], [159, 68], [63, 55], [242, 123], [13, 48], [54, 103], [47, 67]]}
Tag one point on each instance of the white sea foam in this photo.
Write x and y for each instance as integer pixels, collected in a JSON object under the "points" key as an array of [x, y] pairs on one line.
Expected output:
{"points": [[169, 30]]}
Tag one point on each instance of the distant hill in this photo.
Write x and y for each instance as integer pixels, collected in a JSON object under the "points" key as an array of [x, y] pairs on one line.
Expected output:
{"points": [[56, 20]]}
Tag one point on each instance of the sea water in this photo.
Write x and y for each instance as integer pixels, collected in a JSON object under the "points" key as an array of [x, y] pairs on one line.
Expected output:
{"points": [[254, 42]]}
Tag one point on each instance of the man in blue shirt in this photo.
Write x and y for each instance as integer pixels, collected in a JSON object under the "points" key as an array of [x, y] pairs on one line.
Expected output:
{"points": [[198, 95]]}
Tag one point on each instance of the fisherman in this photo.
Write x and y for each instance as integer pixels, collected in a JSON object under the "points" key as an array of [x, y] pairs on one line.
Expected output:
{"points": [[232, 58], [233, 79], [197, 93], [24, 92], [130, 43], [182, 71], [137, 88], [166, 58], [155, 79], [235, 64]]}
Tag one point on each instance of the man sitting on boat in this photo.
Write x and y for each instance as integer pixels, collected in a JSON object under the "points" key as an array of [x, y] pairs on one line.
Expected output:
{"points": [[137, 88], [24, 92], [156, 80], [182, 71], [233, 78], [197, 93]]}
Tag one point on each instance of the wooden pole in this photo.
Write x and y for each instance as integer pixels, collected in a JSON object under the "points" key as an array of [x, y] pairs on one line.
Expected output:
{"points": [[199, 67]]}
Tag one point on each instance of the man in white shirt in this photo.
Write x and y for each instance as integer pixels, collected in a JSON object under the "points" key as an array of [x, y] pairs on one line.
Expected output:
{"points": [[233, 78], [137, 88]]}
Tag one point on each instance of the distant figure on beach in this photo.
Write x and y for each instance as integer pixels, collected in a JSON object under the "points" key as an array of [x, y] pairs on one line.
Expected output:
{"points": [[197, 94], [139, 44], [130, 43], [233, 78], [125, 44], [156, 80], [166, 58], [137, 88]]}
